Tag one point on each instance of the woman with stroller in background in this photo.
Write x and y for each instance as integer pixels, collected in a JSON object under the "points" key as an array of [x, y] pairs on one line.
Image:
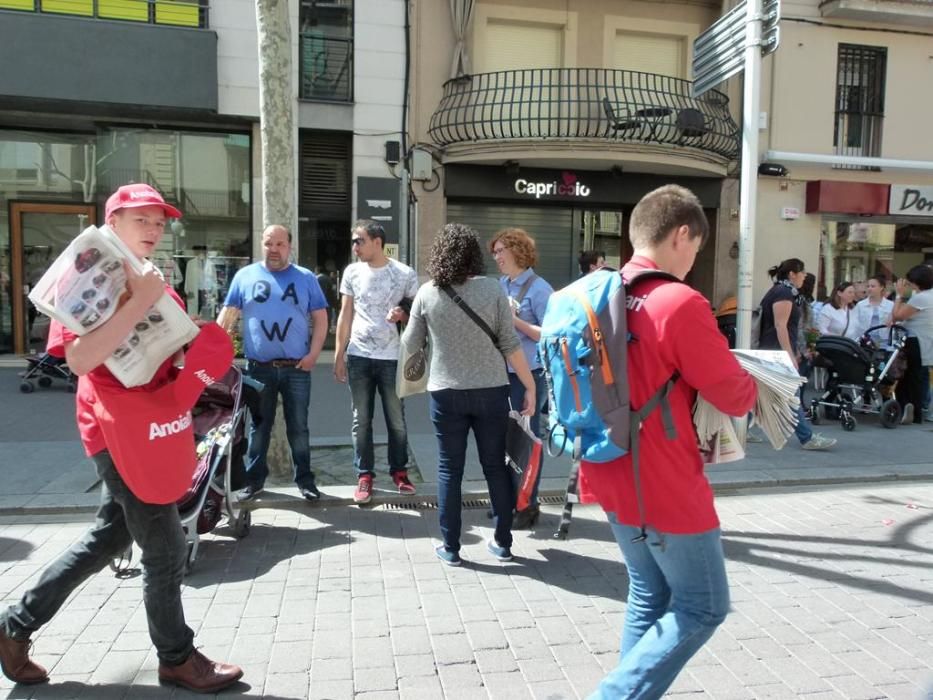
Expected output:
{"points": [[780, 320], [467, 381], [836, 317], [515, 255], [913, 308]]}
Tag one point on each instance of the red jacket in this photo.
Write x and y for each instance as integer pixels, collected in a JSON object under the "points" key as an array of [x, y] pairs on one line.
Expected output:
{"points": [[673, 329]]}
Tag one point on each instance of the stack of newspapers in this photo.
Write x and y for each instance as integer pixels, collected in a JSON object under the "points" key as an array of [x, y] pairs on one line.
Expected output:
{"points": [[85, 286], [721, 437]]}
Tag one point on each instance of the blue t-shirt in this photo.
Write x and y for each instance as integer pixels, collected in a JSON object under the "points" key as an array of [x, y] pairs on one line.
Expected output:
{"points": [[532, 309], [275, 308]]}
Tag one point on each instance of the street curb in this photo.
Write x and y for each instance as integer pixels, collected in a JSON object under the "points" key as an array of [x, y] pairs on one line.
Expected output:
{"points": [[427, 497]]}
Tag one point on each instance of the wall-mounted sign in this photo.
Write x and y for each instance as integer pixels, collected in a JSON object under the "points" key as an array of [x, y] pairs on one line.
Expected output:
{"points": [[790, 213], [377, 199], [911, 201], [568, 186]]}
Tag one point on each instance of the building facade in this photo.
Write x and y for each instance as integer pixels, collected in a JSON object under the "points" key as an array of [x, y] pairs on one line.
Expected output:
{"points": [[167, 92]]}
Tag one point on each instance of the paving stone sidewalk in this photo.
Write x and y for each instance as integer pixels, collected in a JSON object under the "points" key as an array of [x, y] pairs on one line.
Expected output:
{"points": [[831, 591]]}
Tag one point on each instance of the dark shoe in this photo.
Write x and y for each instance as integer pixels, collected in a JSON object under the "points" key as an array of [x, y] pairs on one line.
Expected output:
{"points": [[200, 674], [15, 661], [448, 556], [403, 484], [249, 493], [526, 518], [498, 551], [309, 491], [364, 490]]}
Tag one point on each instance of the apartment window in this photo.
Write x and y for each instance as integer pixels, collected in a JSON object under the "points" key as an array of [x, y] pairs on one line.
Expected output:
{"points": [[661, 54], [326, 48], [860, 77], [182, 13]]}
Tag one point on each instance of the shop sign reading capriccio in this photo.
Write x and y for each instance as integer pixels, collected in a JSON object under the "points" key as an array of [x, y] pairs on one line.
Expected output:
{"points": [[907, 200], [568, 186]]}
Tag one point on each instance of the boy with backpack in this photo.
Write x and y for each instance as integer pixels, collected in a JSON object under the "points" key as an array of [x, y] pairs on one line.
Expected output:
{"points": [[661, 508]]}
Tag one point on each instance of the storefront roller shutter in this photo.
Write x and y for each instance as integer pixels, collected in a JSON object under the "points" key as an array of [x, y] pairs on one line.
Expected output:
{"points": [[551, 227]]}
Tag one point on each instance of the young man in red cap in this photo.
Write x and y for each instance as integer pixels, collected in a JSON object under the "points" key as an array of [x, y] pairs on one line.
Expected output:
{"points": [[137, 214]]}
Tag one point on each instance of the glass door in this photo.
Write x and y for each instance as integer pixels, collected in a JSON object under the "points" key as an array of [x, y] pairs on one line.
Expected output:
{"points": [[607, 233], [39, 234]]}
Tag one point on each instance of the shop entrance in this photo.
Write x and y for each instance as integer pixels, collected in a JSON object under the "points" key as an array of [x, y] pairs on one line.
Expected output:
{"points": [[39, 232]]}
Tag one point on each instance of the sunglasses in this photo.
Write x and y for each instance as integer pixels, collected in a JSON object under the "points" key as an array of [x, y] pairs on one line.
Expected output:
{"points": [[357, 241]]}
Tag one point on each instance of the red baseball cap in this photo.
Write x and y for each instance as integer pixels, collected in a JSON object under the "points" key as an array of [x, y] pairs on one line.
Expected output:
{"points": [[138, 195]]}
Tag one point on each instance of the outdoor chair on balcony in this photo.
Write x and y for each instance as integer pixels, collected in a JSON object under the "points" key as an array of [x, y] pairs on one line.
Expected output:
{"points": [[690, 124], [617, 123]]}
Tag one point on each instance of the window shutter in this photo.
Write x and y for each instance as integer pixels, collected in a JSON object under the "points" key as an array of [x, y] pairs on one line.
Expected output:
{"points": [[650, 53], [514, 46]]}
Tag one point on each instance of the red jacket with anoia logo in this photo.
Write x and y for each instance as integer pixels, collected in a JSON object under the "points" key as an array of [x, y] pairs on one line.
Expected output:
{"points": [[673, 329]]}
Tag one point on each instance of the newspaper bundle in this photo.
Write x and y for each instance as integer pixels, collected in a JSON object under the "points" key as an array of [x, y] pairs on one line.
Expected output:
{"points": [[721, 437], [85, 286]]}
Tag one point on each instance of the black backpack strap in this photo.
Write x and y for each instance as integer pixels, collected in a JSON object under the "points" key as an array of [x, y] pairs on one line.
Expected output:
{"points": [[525, 287], [570, 496], [458, 300], [659, 399]]}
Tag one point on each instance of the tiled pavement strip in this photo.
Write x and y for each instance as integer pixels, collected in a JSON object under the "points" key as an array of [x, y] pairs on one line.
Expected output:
{"points": [[831, 591]]}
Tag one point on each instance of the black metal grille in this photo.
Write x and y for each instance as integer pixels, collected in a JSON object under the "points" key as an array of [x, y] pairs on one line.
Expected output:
{"points": [[860, 77], [326, 68], [568, 103]]}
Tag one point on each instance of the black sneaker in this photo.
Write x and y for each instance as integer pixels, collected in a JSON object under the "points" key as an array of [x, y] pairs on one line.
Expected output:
{"points": [[249, 493], [309, 492]]}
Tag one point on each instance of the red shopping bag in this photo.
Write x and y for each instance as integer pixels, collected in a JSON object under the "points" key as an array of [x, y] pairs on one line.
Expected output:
{"points": [[149, 433], [524, 453]]}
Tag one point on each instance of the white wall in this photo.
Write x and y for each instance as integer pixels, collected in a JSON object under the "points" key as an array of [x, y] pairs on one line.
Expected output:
{"points": [[237, 57]]}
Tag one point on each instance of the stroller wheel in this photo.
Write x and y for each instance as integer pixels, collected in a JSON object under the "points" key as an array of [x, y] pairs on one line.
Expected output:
{"points": [[849, 423], [242, 523], [26, 387], [45, 382], [890, 413], [817, 413]]}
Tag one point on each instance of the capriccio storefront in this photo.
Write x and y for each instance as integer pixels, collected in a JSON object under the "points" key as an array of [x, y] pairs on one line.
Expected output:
{"points": [[870, 229], [568, 211], [54, 184]]}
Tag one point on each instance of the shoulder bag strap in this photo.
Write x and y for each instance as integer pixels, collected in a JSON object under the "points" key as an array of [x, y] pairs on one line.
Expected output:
{"points": [[458, 300]]}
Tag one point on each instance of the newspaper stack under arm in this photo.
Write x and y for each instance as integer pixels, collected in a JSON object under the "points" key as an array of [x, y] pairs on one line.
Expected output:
{"points": [[776, 407], [85, 286]]}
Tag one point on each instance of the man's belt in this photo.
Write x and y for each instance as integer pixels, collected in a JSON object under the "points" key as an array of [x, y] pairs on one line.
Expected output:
{"points": [[276, 363]]}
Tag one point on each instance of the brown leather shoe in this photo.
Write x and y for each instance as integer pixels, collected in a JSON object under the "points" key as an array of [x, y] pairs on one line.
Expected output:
{"points": [[200, 674], [15, 661]]}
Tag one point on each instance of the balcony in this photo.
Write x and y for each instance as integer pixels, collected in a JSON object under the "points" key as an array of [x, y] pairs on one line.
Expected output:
{"points": [[916, 13], [326, 68], [577, 104]]}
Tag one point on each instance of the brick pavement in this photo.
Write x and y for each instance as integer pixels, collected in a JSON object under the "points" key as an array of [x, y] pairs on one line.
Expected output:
{"points": [[831, 590]]}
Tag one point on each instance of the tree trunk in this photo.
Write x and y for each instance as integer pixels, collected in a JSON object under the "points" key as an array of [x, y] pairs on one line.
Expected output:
{"points": [[279, 144]]}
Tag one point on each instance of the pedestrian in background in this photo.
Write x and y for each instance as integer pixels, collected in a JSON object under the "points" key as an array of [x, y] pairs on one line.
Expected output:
{"points": [[366, 356], [137, 214], [836, 317], [913, 308], [284, 328], [873, 310], [665, 522], [515, 255], [468, 382]]}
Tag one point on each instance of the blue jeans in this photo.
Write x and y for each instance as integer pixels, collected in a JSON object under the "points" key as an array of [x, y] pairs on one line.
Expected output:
{"points": [[803, 430], [295, 387], [517, 399], [678, 595], [121, 520], [454, 413], [365, 377]]}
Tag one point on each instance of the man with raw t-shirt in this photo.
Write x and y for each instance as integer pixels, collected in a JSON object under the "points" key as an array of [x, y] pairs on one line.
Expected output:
{"points": [[137, 214], [373, 293]]}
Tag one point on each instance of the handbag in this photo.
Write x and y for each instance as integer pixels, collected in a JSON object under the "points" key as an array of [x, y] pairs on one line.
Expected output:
{"points": [[524, 453], [414, 368]]}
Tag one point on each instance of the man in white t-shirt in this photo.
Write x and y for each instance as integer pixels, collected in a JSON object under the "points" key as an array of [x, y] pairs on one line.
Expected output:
{"points": [[373, 293]]}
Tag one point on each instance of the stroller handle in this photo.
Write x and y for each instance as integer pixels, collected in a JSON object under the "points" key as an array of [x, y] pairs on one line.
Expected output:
{"points": [[901, 333]]}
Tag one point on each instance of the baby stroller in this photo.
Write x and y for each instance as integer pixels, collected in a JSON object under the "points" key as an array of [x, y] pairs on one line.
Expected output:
{"points": [[219, 427], [44, 369], [861, 376]]}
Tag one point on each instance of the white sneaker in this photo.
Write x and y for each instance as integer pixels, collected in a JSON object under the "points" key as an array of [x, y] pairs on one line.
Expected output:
{"points": [[907, 416], [818, 442]]}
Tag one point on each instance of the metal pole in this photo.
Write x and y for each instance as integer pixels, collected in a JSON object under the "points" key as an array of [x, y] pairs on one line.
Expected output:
{"points": [[748, 192], [403, 254]]}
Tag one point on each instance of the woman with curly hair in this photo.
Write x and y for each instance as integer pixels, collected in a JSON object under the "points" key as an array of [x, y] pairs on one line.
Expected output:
{"points": [[515, 255], [468, 383]]}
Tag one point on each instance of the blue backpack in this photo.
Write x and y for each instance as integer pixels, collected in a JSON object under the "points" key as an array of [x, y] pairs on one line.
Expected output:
{"points": [[584, 352]]}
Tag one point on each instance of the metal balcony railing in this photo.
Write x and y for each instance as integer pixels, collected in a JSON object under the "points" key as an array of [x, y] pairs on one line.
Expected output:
{"points": [[572, 103], [326, 68]]}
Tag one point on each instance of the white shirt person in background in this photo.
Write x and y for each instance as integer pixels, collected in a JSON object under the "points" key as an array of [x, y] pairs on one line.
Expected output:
{"points": [[874, 310], [836, 318]]}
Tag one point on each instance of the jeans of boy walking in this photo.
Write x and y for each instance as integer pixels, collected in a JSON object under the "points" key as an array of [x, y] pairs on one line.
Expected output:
{"points": [[121, 520], [517, 400], [803, 430], [365, 377], [678, 595], [295, 387], [454, 413]]}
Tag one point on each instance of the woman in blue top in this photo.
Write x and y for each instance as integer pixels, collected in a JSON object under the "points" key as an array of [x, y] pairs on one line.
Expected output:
{"points": [[515, 254]]}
